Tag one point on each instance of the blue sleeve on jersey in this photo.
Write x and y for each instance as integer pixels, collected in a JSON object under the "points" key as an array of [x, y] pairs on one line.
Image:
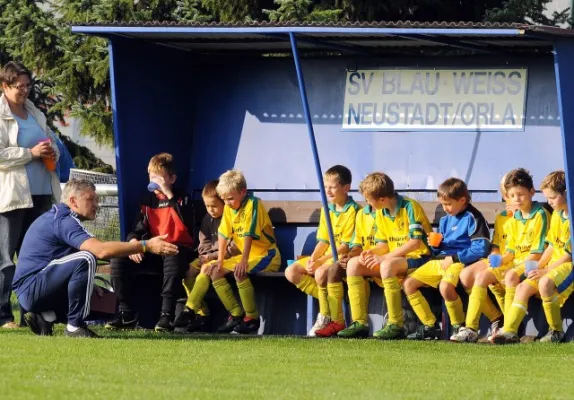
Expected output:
{"points": [[479, 248], [71, 232]]}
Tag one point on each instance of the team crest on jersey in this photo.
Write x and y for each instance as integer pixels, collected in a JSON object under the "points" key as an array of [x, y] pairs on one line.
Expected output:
{"points": [[401, 225]]}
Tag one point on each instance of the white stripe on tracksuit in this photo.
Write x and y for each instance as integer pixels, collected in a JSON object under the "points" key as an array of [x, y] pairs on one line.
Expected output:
{"points": [[89, 257]]}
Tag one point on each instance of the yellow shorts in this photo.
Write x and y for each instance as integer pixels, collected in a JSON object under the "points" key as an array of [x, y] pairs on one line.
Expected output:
{"points": [[195, 264], [500, 272], [432, 273], [269, 262], [563, 278]]}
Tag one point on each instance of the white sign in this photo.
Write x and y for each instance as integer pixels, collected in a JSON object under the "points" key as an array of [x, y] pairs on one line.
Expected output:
{"points": [[437, 99]]}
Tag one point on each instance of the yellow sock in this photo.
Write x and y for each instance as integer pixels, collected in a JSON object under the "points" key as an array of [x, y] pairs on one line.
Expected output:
{"points": [[393, 299], [309, 286], [188, 284], [455, 311], [358, 299], [475, 301], [247, 296], [367, 292], [551, 307], [336, 292], [508, 299], [198, 292], [227, 297], [490, 310], [499, 292], [516, 313], [421, 308], [324, 301]]}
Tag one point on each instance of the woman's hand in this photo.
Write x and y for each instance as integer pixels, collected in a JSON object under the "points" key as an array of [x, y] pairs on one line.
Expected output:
{"points": [[42, 150]]}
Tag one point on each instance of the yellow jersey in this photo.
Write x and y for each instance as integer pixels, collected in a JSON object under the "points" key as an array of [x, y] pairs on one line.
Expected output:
{"points": [[526, 235], [343, 223], [365, 227], [250, 220], [499, 236], [559, 236], [410, 222]]}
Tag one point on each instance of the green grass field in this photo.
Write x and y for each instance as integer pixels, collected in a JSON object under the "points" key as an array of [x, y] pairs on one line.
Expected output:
{"points": [[149, 365]]}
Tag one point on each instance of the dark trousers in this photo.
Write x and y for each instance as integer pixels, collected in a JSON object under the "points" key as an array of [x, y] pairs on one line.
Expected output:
{"points": [[173, 269], [64, 286], [13, 227]]}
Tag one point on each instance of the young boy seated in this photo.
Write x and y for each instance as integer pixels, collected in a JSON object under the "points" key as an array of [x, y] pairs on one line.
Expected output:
{"points": [[342, 213], [400, 231], [470, 332], [465, 240], [245, 222], [553, 276], [167, 211], [208, 248]]}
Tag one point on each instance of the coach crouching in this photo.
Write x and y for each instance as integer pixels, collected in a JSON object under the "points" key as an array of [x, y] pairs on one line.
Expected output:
{"points": [[54, 276]]}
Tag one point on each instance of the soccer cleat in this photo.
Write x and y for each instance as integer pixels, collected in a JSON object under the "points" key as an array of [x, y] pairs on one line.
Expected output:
{"points": [[425, 333], [390, 332], [320, 323], [505, 338], [81, 332], [186, 317], [124, 320], [165, 323], [355, 330], [456, 328], [495, 327], [38, 324], [553, 337], [230, 325], [331, 329], [464, 334], [247, 325]]}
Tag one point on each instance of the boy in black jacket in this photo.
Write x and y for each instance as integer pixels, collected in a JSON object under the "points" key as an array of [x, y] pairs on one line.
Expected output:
{"points": [[166, 211]]}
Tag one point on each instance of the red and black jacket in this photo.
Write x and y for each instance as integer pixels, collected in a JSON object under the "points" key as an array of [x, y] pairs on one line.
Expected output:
{"points": [[159, 216]]}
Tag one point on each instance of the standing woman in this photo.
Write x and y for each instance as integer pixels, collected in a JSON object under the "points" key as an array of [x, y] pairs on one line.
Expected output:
{"points": [[28, 182]]}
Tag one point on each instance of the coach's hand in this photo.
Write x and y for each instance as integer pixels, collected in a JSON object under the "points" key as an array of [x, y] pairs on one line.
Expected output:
{"points": [[158, 245]]}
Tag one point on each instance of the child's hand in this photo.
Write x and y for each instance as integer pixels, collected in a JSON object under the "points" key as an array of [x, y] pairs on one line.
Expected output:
{"points": [[364, 255], [241, 269], [214, 267], [312, 266], [344, 260], [203, 259], [137, 258], [537, 274], [447, 262], [163, 186]]}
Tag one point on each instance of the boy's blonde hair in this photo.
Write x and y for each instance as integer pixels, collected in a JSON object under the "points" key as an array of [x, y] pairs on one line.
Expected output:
{"points": [[232, 180], [555, 181], [518, 177], [453, 188], [341, 173], [210, 189], [377, 185], [161, 162]]}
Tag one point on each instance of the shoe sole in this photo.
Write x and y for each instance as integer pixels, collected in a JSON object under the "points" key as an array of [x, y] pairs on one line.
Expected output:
{"points": [[162, 330], [398, 337], [359, 335], [123, 328], [34, 327], [502, 340]]}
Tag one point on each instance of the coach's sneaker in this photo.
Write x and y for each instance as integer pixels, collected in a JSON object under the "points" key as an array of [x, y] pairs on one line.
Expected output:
{"points": [[390, 332], [553, 337], [331, 329], [505, 338], [186, 317], [38, 324], [424, 332], [320, 323], [248, 325], [81, 332], [465, 335], [124, 320], [355, 330], [495, 327], [165, 323], [230, 325]]}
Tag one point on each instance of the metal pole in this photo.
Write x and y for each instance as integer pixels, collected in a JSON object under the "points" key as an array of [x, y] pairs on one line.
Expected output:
{"points": [[305, 102]]}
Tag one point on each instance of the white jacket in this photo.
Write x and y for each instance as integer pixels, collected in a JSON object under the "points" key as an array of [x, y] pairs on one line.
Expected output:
{"points": [[14, 184]]}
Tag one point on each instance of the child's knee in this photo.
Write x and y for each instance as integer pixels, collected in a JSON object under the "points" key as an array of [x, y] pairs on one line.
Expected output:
{"points": [[524, 290], [353, 266], [546, 286], [322, 276], [411, 285], [483, 279], [334, 273], [386, 270], [293, 273], [448, 291], [511, 279], [466, 278]]}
